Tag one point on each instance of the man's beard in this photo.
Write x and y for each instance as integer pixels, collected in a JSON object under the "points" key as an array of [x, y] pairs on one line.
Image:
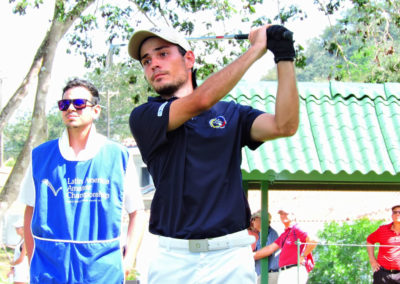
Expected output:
{"points": [[169, 90]]}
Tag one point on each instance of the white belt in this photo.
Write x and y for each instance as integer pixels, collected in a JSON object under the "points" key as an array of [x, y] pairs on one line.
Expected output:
{"points": [[238, 239]]}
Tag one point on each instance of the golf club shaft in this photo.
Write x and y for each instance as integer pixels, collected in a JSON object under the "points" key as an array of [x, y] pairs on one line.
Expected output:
{"points": [[237, 36], [287, 35]]}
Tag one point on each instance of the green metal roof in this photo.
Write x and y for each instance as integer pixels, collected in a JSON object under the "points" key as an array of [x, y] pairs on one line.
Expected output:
{"points": [[348, 133]]}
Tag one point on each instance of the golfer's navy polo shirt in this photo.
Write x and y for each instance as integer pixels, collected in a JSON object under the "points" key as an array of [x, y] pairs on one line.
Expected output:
{"points": [[195, 168]]}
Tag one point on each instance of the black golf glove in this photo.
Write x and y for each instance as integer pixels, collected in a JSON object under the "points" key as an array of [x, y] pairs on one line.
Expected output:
{"points": [[280, 42]]}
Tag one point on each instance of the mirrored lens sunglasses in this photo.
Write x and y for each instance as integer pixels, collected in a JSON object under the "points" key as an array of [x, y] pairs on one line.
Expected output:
{"points": [[63, 105]]}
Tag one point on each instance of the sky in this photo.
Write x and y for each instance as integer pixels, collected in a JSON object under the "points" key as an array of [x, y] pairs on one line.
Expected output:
{"points": [[21, 36]]}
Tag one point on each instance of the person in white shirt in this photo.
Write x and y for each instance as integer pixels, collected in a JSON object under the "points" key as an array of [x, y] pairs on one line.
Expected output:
{"points": [[19, 265], [75, 189]]}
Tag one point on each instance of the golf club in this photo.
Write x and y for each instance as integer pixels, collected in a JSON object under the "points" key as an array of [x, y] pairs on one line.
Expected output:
{"points": [[275, 34]]}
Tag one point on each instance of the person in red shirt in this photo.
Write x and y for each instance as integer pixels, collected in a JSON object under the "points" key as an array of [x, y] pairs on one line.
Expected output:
{"points": [[387, 266], [287, 242]]}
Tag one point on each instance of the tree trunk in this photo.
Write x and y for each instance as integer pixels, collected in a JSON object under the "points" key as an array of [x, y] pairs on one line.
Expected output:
{"points": [[15, 101], [38, 130]]}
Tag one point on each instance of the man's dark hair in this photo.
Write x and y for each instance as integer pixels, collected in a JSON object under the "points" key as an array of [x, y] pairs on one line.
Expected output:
{"points": [[85, 84], [182, 51], [395, 206]]}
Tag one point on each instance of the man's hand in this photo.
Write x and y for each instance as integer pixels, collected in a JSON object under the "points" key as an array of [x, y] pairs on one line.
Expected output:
{"points": [[282, 47], [258, 39], [127, 265], [302, 260], [372, 259], [375, 265]]}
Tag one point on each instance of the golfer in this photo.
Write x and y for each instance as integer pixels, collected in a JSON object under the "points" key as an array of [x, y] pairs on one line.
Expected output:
{"points": [[192, 143]]}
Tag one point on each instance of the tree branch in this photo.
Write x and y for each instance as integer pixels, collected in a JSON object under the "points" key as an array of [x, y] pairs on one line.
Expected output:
{"points": [[143, 12]]}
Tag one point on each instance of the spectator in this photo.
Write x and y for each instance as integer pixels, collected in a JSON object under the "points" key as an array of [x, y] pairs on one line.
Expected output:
{"points": [[387, 266], [273, 259], [287, 242], [20, 266], [253, 232]]}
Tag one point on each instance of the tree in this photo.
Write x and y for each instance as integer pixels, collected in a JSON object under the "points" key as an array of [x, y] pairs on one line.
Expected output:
{"points": [[363, 45], [126, 87], [376, 25], [346, 260], [15, 136], [63, 18], [118, 22], [55, 124], [320, 64], [121, 88]]}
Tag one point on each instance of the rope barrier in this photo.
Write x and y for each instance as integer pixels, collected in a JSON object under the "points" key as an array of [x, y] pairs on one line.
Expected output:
{"points": [[348, 245], [298, 243]]}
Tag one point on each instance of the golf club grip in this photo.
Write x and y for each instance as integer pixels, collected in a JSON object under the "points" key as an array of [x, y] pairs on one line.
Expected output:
{"points": [[287, 35], [241, 36]]}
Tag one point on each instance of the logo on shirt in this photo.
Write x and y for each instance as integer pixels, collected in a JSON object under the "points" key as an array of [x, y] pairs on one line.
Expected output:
{"points": [[161, 109], [218, 122], [49, 185]]}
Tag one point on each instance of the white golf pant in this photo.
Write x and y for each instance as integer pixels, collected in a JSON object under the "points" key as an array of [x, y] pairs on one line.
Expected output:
{"points": [[289, 276], [233, 265]]}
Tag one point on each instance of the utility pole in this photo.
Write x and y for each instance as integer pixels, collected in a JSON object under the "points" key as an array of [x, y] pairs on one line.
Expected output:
{"points": [[109, 59], [1, 133], [109, 94]]}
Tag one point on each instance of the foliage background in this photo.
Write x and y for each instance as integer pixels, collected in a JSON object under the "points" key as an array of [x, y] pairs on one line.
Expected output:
{"points": [[360, 46], [333, 264], [349, 263], [4, 263]]}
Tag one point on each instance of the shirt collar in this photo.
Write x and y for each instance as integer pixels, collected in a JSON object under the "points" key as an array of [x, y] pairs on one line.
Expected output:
{"points": [[291, 226], [160, 99], [93, 145]]}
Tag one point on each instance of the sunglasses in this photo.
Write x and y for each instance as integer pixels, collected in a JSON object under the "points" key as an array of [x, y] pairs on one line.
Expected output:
{"points": [[63, 105], [395, 212]]}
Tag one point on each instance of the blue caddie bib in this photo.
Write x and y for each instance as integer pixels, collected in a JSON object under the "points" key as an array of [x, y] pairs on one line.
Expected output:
{"points": [[76, 222]]}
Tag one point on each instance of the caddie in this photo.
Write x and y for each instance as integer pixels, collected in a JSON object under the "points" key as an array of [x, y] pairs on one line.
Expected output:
{"points": [[75, 191]]}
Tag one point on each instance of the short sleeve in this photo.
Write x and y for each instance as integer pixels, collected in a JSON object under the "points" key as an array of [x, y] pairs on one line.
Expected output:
{"points": [[27, 189], [374, 237], [272, 236], [248, 115], [133, 199], [300, 234], [149, 124]]}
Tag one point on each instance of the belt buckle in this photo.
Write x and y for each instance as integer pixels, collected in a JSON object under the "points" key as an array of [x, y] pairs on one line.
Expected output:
{"points": [[198, 245]]}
